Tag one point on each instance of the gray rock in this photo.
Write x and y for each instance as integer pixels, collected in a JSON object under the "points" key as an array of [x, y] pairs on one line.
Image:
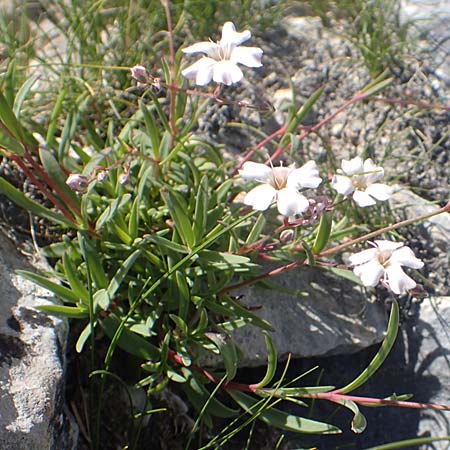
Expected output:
{"points": [[314, 313], [438, 227], [433, 361], [32, 363]]}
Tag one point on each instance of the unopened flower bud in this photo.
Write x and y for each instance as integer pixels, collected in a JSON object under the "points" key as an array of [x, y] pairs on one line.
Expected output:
{"points": [[287, 236], [77, 182], [101, 175], [140, 74], [123, 178]]}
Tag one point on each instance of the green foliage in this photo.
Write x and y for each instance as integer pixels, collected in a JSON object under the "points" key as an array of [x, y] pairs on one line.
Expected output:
{"points": [[156, 237]]}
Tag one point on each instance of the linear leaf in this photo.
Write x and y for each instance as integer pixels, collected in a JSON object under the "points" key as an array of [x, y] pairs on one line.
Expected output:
{"points": [[383, 352], [122, 273], [280, 419], [10, 120], [359, 422], [129, 341], [9, 143], [63, 293], [71, 274], [22, 94], [178, 211], [201, 210], [30, 205], [55, 172], [271, 362], [72, 312], [410, 443], [323, 233]]}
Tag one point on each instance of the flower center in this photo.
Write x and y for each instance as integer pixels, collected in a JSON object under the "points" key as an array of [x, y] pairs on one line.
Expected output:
{"points": [[359, 182], [224, 51], [383, 257], [279, 177]]}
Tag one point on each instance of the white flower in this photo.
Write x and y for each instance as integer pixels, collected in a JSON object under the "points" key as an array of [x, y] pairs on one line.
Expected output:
{"points": [[281, 184], [359, 178], [222, 58], [385, 261]]}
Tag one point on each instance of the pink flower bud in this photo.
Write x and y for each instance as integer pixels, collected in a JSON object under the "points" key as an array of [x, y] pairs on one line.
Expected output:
{"points": [[140, 74], [77, 182]]}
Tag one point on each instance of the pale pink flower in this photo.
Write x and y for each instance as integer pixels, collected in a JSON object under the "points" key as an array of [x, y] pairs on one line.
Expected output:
{"points": [[359, 178], [222, 58], [280, 184], [384, 262]]}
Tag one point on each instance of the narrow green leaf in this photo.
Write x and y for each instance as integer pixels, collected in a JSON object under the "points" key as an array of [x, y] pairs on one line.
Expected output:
{"points": [[304, 109], [279, 419], [121, 273], [133, 221], [227, 350], [72, 312], [54, 117], [166, 244], [295, 391], [22, 94], [271, 362], [10, 120], [63, 293], [129, 341], [323, 233], [202, 395], [179, 213], [201, 211], [82, 338], [183, 295], [228, 307], [94, 262], [309, 254], [55, 172], [359, 422], [9, 143], [256, 230], [152, 129], [410, 443], [30, 205], [71, 274], [383, 352]]}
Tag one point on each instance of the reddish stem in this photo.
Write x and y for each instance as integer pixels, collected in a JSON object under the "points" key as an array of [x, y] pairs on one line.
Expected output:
{"points": [[335, 397]]}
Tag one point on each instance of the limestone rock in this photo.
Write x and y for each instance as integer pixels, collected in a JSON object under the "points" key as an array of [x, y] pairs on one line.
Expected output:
{"points": [[32, 363], [314, 313]]}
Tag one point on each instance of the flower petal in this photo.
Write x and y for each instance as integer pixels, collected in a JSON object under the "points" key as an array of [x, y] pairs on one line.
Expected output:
{"points": [[260, 197], [397, 280], [207, 47], [231, 37], [248, 56], [387, 246], [256, 171], [201, 71], [405, 257], [372, 172], [342, 184], [370, 272], [306, 176], [380, 191], [290, 202], [363, 257], [227, 72], [352, 166], [363, 199]]}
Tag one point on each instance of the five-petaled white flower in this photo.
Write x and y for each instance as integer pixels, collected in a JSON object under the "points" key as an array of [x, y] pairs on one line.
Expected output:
{"points": [[359, 177], [222, 58], [385, 261], [281, 184]]}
